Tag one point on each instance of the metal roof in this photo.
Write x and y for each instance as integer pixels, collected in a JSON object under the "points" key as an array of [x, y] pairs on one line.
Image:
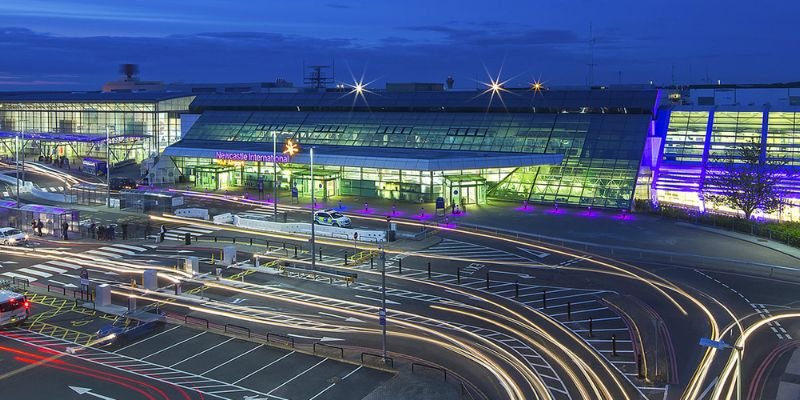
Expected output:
{"points": [[631, 101], [371, 157], [86, 97]]}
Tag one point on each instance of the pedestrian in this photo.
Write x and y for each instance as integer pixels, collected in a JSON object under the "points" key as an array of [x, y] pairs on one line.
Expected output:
{"points": [[124, 231], [162, 234], [39, 226], [452, 206], [65, 229], [33, 227], [101, 232], [111, 232], [92, 229], [464, 205]]}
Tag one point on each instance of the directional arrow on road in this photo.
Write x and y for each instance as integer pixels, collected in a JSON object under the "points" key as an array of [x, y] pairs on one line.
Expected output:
{"points": [[374, 299], [348, 319], [83, 390], [521, 276], [69, 285], [539, 254], [321, 339]]}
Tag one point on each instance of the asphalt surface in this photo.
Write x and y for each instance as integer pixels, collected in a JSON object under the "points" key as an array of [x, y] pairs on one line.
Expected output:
{"points": [[542, 305]]}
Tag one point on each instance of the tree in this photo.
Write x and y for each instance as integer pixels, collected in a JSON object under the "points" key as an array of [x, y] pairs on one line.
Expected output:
{"points": [[742, 181]]}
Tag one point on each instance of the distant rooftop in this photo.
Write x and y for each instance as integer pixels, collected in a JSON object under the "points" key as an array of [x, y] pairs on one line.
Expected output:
{"points": [[79, 97]]}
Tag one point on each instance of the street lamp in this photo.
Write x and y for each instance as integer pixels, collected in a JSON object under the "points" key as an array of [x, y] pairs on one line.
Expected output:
{"points": [[313, 218], [275, 176], [382, 316], [16, 163]]}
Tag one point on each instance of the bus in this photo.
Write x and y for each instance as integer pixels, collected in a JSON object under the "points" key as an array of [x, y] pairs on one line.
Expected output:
{"points": [[14, 308]]}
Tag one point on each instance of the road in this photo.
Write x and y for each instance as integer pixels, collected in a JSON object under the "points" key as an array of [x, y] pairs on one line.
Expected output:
{"points": [[509, 316]]}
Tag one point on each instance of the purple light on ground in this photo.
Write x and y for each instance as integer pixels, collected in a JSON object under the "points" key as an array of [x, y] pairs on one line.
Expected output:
{"points": [[555, 210], [524, 209], [422, 217], [624, 216], [366, 211], [450, 225], [397, 213]]}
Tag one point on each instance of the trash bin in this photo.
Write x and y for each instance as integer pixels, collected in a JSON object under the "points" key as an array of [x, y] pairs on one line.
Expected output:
{"points": [[187, 238]]}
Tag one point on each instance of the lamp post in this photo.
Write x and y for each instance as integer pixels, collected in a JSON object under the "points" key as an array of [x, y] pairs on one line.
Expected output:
{"points": [[275, 177], [16, 163], [22, 146], [382, 317], [108, 166], [313, 218]]}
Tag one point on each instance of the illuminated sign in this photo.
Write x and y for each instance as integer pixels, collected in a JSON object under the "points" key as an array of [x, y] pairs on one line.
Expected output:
{"points": [[291, 148], [253, 157]]}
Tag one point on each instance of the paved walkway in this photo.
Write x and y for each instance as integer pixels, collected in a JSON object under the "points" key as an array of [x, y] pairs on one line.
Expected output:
{"points": [[789, 386]]}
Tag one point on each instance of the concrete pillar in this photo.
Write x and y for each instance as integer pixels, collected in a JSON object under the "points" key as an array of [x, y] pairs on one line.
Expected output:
{"points": [[150, 279], [228, 255], [191, 265], [103, 295]]}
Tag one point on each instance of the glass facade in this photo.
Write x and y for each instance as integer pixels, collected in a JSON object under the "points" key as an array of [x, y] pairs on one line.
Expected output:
{"points": [[695, 140], [601, 146], [139, 128]]}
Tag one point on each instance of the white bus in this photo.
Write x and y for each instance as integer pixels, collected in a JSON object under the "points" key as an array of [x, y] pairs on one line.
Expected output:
{"points": [[14, 308]]}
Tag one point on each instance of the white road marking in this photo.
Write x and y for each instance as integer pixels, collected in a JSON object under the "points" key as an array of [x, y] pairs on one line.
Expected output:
{"points": [[266, 366]]}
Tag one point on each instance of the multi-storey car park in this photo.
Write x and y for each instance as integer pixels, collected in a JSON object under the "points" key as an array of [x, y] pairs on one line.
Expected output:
{"points": [[601, 147]]}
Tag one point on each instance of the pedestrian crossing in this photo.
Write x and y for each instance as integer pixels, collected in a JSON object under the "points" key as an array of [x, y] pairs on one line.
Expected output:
{"points": [[56, 268], [178, 232], [456, 248]]}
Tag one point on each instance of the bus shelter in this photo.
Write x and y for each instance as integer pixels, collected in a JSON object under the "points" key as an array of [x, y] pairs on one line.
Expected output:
{"points": [[89, 194], [52, 218], [140, 200]]}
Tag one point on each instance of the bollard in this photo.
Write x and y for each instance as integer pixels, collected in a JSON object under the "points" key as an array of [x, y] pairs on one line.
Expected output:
{"points": [[429, 270], [400, 266], [516, 289], [251, 241], [371, 262], [458, 275], [487, 280], [212, 258], [614, 345], [544, 299], [284, 245], [233, 240], [590, 327], [345, 258], [320, 254], [295, 251], [569, 311]]}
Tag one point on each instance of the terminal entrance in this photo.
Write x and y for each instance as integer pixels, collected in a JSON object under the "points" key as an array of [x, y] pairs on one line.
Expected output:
{"points": [[469, 189], [326, 184], [216, 177]]}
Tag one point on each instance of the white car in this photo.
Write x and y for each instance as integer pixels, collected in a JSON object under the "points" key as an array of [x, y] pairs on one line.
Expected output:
{"points": [[331, 217], [10, 235]]}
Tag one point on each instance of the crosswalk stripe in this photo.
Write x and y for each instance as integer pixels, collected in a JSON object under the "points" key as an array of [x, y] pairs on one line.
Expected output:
{"points": [[103, 253], [15, 275], [65, 264], [49, 268], [125, 246], [195, 230], [114, 249], [35, 272]]}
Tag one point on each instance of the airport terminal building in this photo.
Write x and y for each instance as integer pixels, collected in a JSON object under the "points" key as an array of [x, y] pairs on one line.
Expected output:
{"points": [[599, 147]]}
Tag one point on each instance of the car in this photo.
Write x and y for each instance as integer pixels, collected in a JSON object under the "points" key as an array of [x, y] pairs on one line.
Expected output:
{"points": [[125, 331], [9, 235], [332, 217], [122, 183]]}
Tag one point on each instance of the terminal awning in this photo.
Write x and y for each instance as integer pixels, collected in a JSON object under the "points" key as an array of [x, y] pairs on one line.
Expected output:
{"points": [[371, 157]]}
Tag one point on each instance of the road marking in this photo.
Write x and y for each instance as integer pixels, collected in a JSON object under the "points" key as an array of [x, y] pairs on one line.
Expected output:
{"points": [[146, 339], [334, 384], [374, 299], [35, 272], [234, 358], [116, 250], [208, 349], [264, 367], [49, 268], [103, 253], [174, 345], [15, 275], [125, 246], [65, 265], [298, 375]]}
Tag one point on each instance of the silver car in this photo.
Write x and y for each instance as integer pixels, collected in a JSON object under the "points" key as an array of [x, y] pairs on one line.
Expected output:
{"points": [[12, 236]]}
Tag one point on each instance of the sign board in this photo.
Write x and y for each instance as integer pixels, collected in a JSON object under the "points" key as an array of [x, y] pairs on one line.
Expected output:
{"points": [[719, 345], [294, 192], [439, 202], [382, 317], [251, 156]]}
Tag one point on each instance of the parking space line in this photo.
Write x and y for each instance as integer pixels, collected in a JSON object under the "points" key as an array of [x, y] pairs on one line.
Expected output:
{"points": [[176, 344], [195, 355], [234, 358], [144, 340], [334, 384], [298, 375], [266, 366]]}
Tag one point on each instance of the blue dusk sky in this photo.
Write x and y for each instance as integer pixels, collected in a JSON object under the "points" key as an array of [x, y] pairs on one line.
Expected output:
{"points": [[79, 44]]}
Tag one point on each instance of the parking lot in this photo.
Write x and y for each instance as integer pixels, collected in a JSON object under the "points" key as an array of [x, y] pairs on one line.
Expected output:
{"points": [[219, 366]]}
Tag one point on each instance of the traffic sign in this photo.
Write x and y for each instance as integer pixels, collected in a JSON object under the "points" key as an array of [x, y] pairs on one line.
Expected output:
{"points": [[382, 317], [719, 345]]}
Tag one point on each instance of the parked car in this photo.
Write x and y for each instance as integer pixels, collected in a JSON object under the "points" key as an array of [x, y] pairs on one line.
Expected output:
{"points": [[126, 331], [331, 217], [12, 236]]}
